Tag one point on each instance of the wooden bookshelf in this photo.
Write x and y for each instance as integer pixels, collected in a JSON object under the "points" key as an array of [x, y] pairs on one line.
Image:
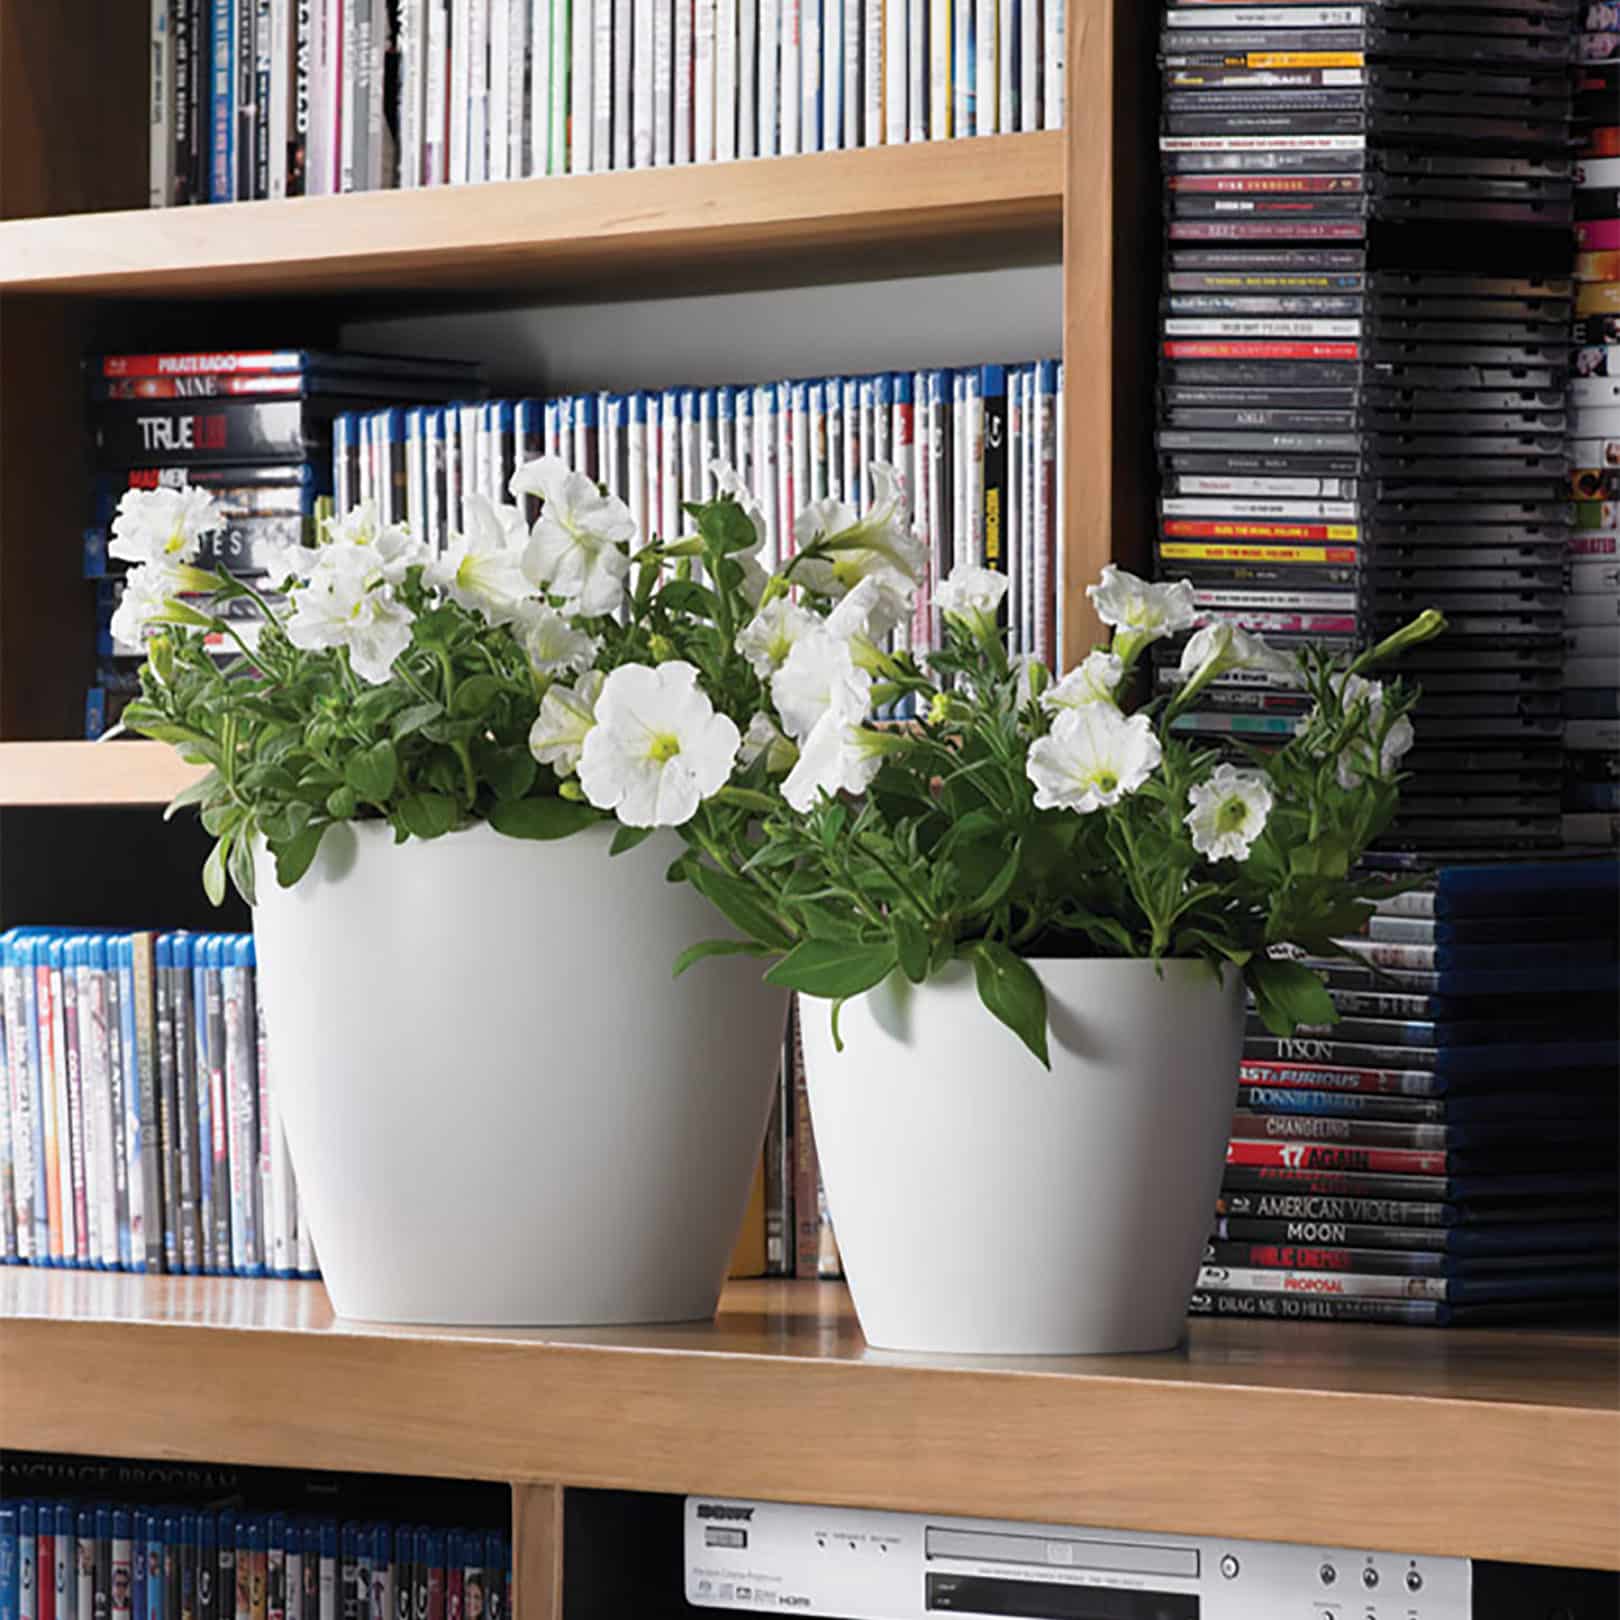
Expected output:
{"points": [[883, 208], [121, 772], [1496, 1444]]}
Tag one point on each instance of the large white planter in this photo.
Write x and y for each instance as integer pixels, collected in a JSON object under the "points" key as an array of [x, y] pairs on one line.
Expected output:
{"points": [[500, 1106], [986, 1206]]}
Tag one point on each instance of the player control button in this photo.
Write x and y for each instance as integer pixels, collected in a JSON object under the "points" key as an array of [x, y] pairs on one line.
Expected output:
{"points": [[1229, 1567], [1329, 1574], [1414, 1581], [1369, 1578]]}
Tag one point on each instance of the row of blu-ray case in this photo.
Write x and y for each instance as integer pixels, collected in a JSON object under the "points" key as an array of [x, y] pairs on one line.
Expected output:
{"points": [[70, 1560], [140, 1129]]}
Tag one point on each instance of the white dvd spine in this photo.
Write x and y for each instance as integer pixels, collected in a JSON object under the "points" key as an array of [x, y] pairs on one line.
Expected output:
{"points": [[519, 69], [622, 113], [561, 36], [770, 58], [856, 121], [703, 51], [351, 104], [986, 78], [684, 17], [830, 86], [581, 151], [762, 479], [160, 110], [875, 69], [436, 96], [1029, 64], [669, 463], [1052, 44], [748, 79], [500, 88], [1007, 66], [691, 448], [635, 464], [281, 82], [916, 111], [1012, 535], [790, 98], [663, 82], [939, 70], [602, 85], [460, 88], [963, 65], [860, 444], [725, 80], [810, 71], [478, 128], [539, 158], [975, 469], [412, 101], [642, 142]]}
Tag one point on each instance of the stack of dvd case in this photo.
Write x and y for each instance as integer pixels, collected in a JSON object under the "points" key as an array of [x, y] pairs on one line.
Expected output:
{"points": [[1446, 1153], [66, 1559], [251, 426], [140, 1128], [975, 446], [1363, 368], [1592, 663]]}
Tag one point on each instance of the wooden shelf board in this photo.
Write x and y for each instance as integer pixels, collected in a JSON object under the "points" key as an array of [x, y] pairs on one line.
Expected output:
{"points": [[1487, 1443], [121, 772], [905, 202]]}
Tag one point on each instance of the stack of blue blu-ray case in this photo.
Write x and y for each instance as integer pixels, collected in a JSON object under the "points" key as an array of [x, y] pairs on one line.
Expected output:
{"points": [[71, 1560], [1446, 1152], [975, 448], [141, 1129]]}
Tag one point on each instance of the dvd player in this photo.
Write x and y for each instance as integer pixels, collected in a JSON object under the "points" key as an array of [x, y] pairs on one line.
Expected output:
{"points": [[776, 1558]]}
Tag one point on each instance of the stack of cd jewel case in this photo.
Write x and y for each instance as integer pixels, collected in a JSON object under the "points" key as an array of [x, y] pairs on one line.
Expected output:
{"points": [[1362, 403], [1592, 631], [1446, 1153]]}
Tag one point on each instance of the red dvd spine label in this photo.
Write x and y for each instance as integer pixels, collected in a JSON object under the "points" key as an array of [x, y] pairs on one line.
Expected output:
{"points": [[1204, 349], [185, 365], [1332, 1156]]}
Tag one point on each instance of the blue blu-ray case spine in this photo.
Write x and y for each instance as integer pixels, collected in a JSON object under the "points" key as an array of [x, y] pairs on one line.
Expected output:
{"points": [[27, 1562]]}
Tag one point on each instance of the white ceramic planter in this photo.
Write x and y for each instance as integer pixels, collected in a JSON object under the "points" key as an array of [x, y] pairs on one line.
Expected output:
{"points": [[986, 1206], [500, 1106]]}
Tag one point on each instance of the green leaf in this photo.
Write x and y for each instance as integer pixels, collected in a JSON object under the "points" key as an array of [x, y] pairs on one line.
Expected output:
{"points": [[542, 819], [428, 815], [1009, 987], [626, 839], [911, 945], [197, 793], [683, 596], [832, 969], [511, 771], [739, 903], [293, 858], [213, 873], [414, 718], [476, 695], [1288, 994], [341, 803], [373, 771], [725, 526], [998, 885], [716, 947], [241, 867]]}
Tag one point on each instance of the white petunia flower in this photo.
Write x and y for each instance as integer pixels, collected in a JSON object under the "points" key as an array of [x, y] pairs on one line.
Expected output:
{"points": [[1228, 813], [483, 569], [658, 749], [728, 481], [390, 544], [971, 594], [1220, 648], [1138, 612], [1094, 681], [574, 551], [348, 602], [839, 755], [147, 599], [162, 525], [768, 637], [763, 738], [820, 674], [554, 645], [878, 542], [1356, 761], [1091, 758], [282, 562], [567, 714]]}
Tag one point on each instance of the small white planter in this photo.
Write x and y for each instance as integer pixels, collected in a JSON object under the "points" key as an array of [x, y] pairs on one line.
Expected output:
{"points": [[500, 1106], [986, 1206]]}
